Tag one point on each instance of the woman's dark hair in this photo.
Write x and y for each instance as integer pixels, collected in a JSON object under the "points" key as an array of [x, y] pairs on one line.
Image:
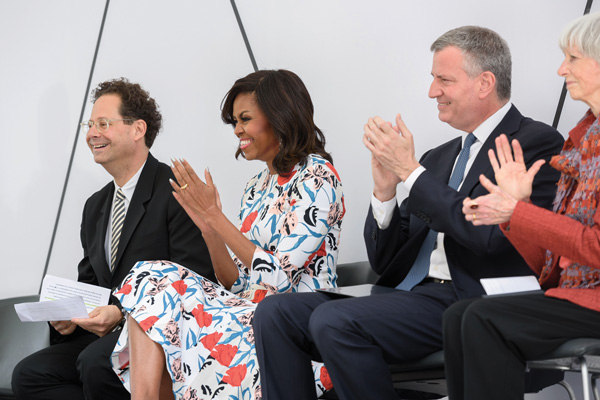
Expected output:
{"points": [[136, 103], [285, 101]]}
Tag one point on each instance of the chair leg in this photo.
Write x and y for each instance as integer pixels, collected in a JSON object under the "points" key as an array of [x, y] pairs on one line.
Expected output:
{"points": [[569, 389], [585, 378], [595, 386]]}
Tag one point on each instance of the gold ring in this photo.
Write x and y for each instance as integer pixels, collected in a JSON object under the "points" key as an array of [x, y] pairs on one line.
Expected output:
{"points": [[184, 187], [474, 217]]}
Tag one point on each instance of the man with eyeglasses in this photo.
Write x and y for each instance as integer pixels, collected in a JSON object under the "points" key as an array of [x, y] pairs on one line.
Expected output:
{"points": [[133, 218]]}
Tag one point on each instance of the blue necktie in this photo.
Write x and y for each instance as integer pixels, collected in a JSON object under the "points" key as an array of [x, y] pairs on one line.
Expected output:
{"points": [[420, 268]]}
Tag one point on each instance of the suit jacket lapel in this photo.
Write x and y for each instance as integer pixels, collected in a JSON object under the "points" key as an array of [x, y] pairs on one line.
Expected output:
{"points": [[509, 125], [137, 206], [446, 161], [103, 270]]}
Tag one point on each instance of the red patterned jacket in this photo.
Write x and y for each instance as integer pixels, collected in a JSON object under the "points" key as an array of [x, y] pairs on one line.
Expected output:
{"points": [[533, 230]]}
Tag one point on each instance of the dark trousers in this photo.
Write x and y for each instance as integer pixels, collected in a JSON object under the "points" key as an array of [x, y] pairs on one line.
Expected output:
{"points": [[356, 338], [488, 341], [78, 368]]}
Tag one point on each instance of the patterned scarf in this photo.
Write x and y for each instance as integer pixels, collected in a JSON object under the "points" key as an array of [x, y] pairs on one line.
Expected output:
{"points": [[577, 194]]}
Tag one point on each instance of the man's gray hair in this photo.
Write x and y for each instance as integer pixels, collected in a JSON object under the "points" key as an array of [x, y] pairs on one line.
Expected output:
{"points": [[584, 34], [483, 50]]}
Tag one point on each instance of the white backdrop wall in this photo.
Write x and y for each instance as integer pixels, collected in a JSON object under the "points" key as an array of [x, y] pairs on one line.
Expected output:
{"points": [[357, 58]]}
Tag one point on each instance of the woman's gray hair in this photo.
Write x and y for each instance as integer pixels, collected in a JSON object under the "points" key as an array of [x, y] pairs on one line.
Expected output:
{"points": [[584, 34], [483, 50]]}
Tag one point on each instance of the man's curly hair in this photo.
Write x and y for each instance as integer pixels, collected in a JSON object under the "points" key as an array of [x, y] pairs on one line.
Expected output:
{"points": [[136, 103]]}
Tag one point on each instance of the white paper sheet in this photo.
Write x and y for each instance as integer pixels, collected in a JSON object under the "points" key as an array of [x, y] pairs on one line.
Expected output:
{"points": [[57, 310], [510, 284], [62, 299]]}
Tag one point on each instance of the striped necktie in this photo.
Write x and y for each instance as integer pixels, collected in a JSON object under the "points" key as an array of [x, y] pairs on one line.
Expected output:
{"points": [[118, 216], [420, 268]]}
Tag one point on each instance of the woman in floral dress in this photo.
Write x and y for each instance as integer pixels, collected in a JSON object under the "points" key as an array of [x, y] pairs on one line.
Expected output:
{"points": [[190, 338]]}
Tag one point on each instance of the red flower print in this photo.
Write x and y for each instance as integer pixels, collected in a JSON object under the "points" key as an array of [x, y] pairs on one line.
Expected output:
{"points": [[180, 287], [312, 262], [325, 379], [259, 295], [210, 341], [235, 375], [309, 260], [202, 318], [126, 289], [148, 322], [330, 166], [247, 224], [322, 251], [224, 353]]}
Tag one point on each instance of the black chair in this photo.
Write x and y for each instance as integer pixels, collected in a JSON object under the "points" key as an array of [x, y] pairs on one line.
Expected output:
{"points": [[421, 379], [17, 340], [355, 273], [576, 355]]}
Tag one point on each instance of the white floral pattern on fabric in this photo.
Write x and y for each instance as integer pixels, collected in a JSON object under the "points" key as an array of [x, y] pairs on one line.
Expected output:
{"points": [[294, 221], [205, 330]]}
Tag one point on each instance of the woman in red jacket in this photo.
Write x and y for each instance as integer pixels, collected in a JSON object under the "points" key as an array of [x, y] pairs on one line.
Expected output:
{"points": [[487, 342]]}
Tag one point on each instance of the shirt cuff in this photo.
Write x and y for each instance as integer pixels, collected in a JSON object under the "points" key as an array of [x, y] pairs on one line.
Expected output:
{"points": [[412, 178], [383, 211]]}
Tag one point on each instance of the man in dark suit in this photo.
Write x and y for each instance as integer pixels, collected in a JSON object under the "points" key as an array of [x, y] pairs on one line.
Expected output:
{"points": [[424, 247], [124, 123]]}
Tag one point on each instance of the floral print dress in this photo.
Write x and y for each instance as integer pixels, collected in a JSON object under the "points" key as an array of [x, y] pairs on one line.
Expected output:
{"points": [[204, 329]]}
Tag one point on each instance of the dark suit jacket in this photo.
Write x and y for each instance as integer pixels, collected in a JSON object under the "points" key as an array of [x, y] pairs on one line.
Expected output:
{"points": [[472, 252], [155, 228]]}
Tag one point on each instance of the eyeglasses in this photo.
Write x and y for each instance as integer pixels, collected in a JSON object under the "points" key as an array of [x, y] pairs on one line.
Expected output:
{"points": [[102, 124]]}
